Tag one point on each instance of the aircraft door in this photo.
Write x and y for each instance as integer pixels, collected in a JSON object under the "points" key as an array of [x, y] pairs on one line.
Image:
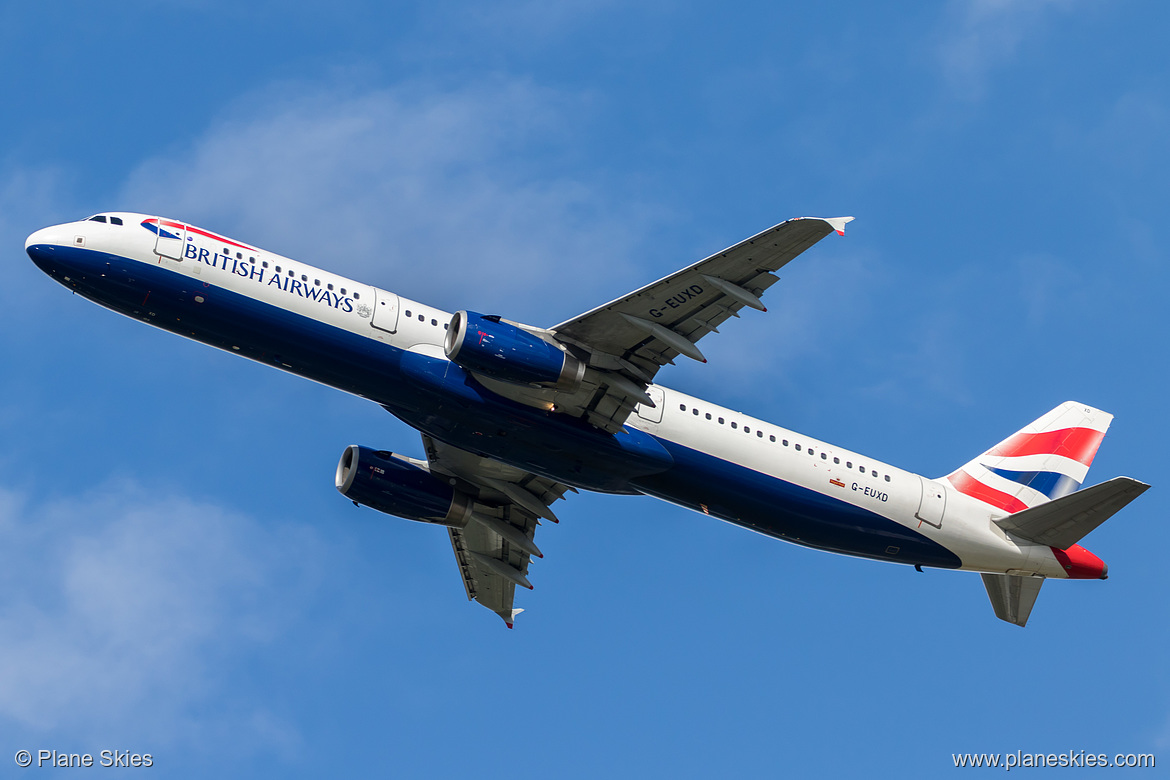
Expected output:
{"points": [[172, 239], [652, 414], [385, 315], [932, 504]]}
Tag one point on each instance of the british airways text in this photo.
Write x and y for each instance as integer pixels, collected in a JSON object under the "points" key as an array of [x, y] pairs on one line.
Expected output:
{"points": [[286, 284]]}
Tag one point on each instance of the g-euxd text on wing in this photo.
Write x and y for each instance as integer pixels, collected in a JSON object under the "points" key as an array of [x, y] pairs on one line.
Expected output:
{"points": [[627, 340], [494, 548]]}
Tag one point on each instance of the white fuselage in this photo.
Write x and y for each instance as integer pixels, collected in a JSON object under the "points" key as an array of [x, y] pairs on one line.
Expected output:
{"points": [[205, 270]]}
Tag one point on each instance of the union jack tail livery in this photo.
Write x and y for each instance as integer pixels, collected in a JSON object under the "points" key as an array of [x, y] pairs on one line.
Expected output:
{"points": [[1042, 462]]}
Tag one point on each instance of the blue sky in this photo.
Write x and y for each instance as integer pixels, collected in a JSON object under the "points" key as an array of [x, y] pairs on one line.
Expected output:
{"points": [[179, 576]]}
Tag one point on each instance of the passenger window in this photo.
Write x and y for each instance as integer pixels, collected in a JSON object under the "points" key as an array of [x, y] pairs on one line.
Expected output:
{"points": [[356, 297], [291, 274], [848, 464], [824, 456], [747, 429], [708, 415], [421, 318], [408, 314], [733, 425], [115, 220], [434, 322], [760, 434], [264, 264], [304, 278], [786, 442], [317, 282], [720, 420], [343, 291], [278, 269], [887, 477], [252, 260], [837, 461], [329, 286], [695, 411], [682, 407], [772, 439], [798, 448], [239, 255]]}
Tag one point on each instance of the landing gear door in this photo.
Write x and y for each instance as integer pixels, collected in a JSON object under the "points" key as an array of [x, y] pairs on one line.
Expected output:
{"points": [[933, 503], [385, 311], [172, 238]]}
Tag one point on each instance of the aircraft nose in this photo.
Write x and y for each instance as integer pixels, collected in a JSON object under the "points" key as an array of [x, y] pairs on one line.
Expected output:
{"points": [[50, 236], [39, 237], [47, 247]]}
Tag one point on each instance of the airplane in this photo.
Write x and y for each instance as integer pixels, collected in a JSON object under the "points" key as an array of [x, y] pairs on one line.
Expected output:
{"points": [[513, 416]]}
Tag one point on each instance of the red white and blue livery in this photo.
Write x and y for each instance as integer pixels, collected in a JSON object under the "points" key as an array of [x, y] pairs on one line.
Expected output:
{"points": [[513, 416]]}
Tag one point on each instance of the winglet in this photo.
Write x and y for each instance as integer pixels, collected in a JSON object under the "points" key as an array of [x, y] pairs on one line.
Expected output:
{"points": [[509, 621], [838, 223]]}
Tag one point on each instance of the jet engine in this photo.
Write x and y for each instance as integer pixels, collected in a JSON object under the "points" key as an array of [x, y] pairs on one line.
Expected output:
{"points": [[501, 350], [406, 488], [397, 486]]}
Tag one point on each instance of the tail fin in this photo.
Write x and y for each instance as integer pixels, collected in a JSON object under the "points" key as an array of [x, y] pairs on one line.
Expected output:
{"points": [[1044, 461], [1012, 597]]}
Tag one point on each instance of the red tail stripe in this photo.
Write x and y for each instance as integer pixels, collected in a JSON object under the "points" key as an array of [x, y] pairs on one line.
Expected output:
{"points": [[965, 483], [1079, 444]]}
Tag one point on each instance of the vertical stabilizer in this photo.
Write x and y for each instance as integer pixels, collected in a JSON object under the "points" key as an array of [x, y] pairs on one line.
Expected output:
{"points": [[1044, 461]]}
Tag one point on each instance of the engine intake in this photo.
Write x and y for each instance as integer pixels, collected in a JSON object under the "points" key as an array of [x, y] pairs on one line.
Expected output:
{"points": [[484, 344], [391, 484]]}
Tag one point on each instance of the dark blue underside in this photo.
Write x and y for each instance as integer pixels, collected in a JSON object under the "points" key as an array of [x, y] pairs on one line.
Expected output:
{"points": [[786, 511], [441, 399]]}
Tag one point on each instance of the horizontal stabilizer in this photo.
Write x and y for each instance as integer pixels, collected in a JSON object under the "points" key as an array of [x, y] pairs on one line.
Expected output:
{"points": [[1063, 522], [1012, 597]]}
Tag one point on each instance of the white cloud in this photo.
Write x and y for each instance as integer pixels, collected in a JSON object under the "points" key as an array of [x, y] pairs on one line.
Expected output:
{"points": [[433, 193], [121, 610], [984, 34]]}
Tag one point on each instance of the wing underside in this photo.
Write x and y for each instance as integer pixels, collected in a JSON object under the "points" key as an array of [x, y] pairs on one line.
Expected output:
{"points": [[494, 551], [626, 341]]}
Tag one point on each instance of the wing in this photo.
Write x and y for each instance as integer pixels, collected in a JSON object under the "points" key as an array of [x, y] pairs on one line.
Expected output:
{"points": [[494, 549], [627, 340]]}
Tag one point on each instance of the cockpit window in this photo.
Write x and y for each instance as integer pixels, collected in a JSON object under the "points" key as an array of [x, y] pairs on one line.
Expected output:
{"points": [[98, 218], [115, 220]]}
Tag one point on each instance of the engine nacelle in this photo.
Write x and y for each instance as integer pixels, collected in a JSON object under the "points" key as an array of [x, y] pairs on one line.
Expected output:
{"points": [[502, 351], [391, 484]]}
